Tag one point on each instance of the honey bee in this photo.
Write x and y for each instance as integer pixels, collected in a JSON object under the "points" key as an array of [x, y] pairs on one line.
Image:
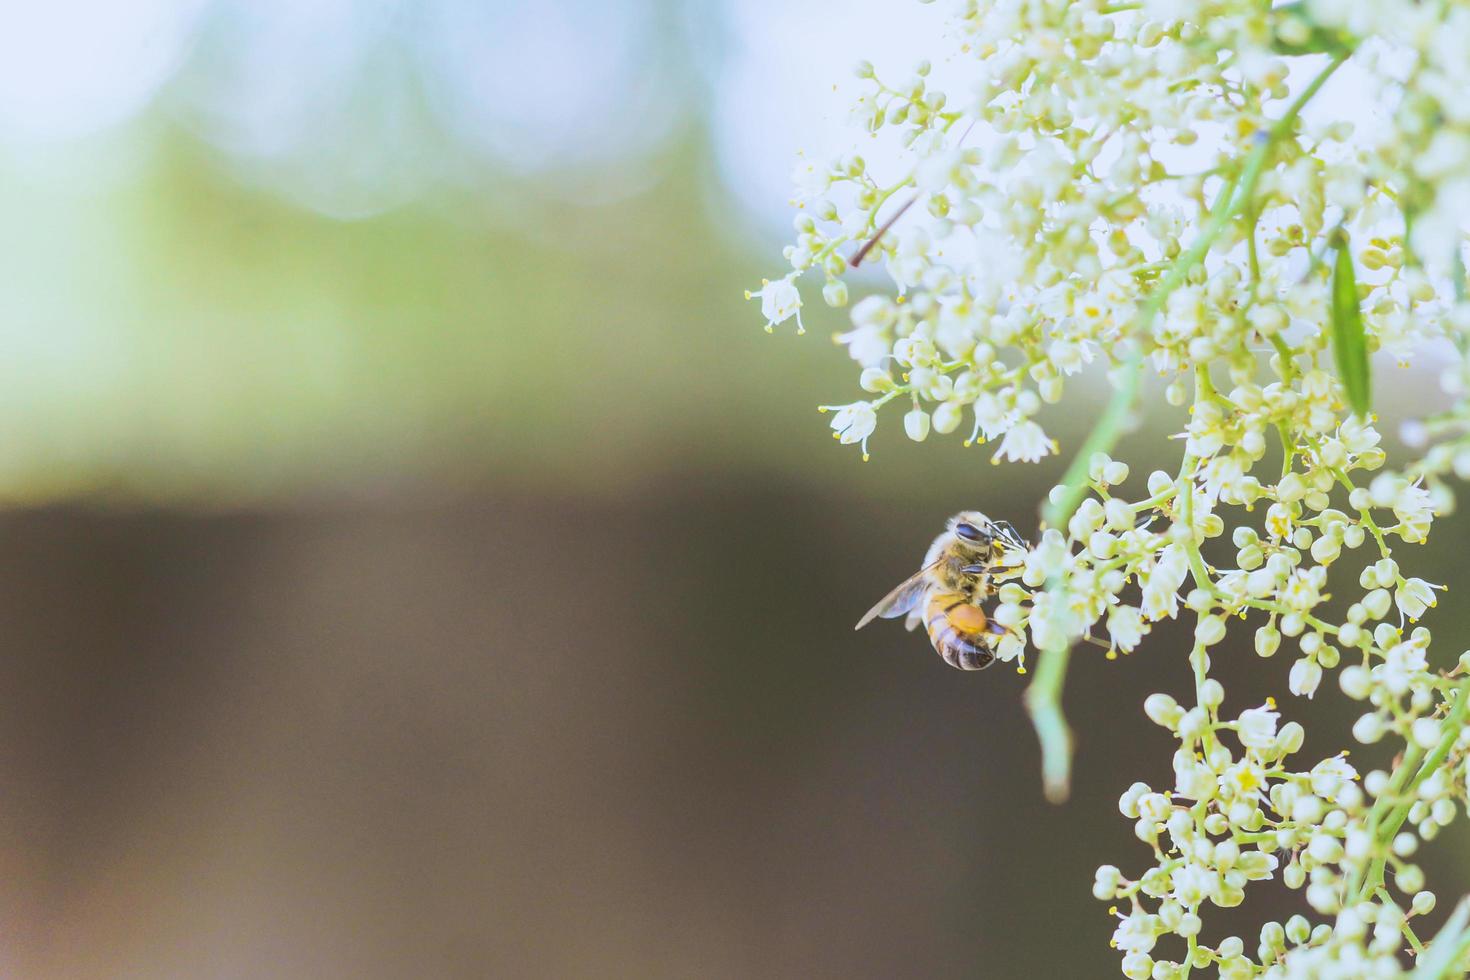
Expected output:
{"points": [[947, 594]]}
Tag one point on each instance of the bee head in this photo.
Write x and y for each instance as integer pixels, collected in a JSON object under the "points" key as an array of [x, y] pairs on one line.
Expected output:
{"points": [[983, 534]]}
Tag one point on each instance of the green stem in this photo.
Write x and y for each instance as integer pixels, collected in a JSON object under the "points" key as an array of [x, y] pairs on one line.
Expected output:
{"points": [[1446, 948], [1044, 696], [1392, 808]]}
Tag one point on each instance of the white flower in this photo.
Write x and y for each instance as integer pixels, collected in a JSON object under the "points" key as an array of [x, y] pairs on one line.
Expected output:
{"points": [[1137, 933], [1126, 627], [809, 179], [853, 423], [1010, 648], [1414, 507], [1258, 728], [1306, 675], [1107, 140], [780, 301], [1243, 781], [867, 344], [1162, 581], [991, 418], [1414, 596], [1329, 775], [1401, 664], [1026, 443]]}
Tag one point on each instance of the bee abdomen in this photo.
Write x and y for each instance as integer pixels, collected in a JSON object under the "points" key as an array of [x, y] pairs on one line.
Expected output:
{"points": [[959, 631]]}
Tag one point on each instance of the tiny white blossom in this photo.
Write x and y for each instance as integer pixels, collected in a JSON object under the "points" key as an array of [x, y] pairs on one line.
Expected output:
{"points": [[1258, 728], [1306, 675], [780, 300], [853, 423], [1025, 442]]}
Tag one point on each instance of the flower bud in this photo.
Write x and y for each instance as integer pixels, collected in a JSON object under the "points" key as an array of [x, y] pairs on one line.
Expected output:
{"points": [[1290, 739], [1368, 728], [1163, 710], [947, 418], [1409, 878], [1425, 732], [1355, 681], [916, 424], [1118, 515], [1304, 678], [1376, 603], [1128, 802]]}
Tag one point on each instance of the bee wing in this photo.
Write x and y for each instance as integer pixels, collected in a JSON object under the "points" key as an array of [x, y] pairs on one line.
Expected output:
{"points": [[900, 601]]}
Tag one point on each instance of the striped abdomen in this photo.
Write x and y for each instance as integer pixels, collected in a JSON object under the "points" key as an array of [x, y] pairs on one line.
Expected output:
{"points": [[960, 631]]}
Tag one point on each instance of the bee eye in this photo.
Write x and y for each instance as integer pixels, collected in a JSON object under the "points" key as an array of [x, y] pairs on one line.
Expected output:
{"points": [[970, 532]]}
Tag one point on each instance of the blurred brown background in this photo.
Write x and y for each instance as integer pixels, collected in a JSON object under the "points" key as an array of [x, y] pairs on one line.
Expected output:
{"points": [[538, 735], [418, 562]]}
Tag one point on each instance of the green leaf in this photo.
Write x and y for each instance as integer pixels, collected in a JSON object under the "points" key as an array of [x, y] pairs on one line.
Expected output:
{"points": [[1349, 345], [1295, 33]]}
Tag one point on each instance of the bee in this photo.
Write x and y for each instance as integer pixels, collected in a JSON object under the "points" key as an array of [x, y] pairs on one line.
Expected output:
{"points": [[947, 594]]}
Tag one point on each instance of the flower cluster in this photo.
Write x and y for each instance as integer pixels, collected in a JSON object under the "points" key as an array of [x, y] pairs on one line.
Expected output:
{"points": [[1133, 188]]}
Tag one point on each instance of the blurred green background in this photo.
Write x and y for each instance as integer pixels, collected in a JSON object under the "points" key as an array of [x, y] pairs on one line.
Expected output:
{"points": [[420, 563]]}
